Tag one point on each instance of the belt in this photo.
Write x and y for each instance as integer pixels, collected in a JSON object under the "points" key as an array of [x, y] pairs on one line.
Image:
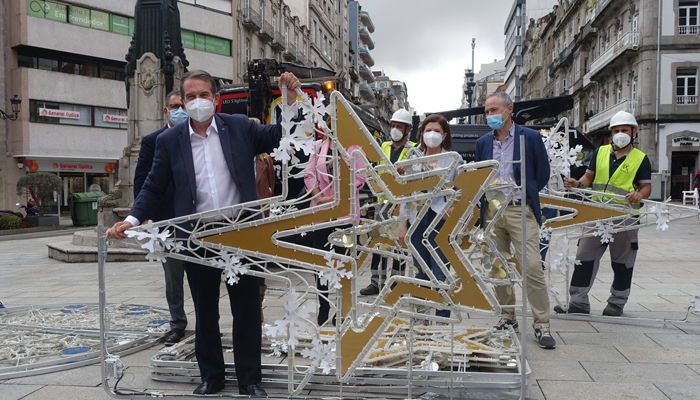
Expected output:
{"points": [[518, 202]]}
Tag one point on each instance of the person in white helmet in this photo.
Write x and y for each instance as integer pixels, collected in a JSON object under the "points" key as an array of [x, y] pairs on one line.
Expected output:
{"points": [[395, 150], [620, 169]]}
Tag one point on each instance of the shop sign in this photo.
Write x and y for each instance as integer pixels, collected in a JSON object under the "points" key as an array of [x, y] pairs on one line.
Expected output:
{"points": [[94, 188], [686, 141], [117, 119], [70, 166], [48, 112]]}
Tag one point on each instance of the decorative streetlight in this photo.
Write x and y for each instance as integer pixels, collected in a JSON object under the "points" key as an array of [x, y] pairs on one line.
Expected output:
{"points": [[16, 102]]}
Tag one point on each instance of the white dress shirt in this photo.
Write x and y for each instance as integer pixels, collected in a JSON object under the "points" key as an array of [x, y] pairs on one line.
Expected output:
{"points": [[215, 185]]}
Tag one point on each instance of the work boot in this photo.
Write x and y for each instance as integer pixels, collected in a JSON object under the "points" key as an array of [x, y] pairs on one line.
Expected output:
{"points": [[612, 310], [572, 309], [370, 290], [263, 288]]}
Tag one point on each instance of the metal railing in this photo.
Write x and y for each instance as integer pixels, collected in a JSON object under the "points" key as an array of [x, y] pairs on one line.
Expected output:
{"points": [[688, 30], [267, 30], [602, 119], [252, 17], [626, 42], [686, 100]]}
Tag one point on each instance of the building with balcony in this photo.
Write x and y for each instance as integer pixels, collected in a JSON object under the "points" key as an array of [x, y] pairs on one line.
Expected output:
{"points": [[610, 56], [73, 112], [516, 24], [361, 44]]}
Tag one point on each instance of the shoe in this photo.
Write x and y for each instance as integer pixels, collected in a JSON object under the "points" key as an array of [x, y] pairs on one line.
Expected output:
{"points": [[174, 336], [544, 338], [572, 309], [210, 387], [369, 291], [252, 390], [503, 322], [612, 310]]}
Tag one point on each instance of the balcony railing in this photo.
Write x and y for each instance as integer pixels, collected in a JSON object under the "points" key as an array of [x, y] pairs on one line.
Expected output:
{"points": [[291, 53], [566, 53], [366, 91], [280, 41], [688, 30], [252, 18], [367, 20], [627, 41], [687, 100], [366, 38], [602, 119], [366, 73], [550, 69], [587, 30], [598, 8], [267, 32], [366, 56]]}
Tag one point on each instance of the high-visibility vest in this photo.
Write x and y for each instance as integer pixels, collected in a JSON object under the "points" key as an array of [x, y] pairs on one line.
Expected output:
{"points": [[387, 146], [622, 181]]}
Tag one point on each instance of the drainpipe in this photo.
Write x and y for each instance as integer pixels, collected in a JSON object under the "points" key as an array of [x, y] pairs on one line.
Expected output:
{"points": [[658, 74], [5, 71]]}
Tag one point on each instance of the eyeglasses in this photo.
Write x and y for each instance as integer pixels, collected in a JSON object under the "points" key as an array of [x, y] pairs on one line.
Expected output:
{"points": [[173, 107]]}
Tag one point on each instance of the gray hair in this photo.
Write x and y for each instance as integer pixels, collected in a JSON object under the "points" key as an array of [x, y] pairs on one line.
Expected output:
{"points": [[199, 74], [505, 98]]}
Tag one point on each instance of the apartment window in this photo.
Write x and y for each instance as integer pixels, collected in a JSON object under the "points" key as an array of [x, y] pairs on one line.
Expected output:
{"points": [[338, 6], [688, 17], [76, 67], [633, 96], [247, 51], [585, 65], [618, 94], [113, 73], [286, 34], [262, 10], [274, 21], [296, 40], [687, 86], [313, 32], [70, 65], [262, 52], [105, 117], [319, 38]]}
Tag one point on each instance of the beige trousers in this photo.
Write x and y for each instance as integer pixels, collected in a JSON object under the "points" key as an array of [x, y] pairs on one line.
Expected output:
{"points": [[536, 285]]}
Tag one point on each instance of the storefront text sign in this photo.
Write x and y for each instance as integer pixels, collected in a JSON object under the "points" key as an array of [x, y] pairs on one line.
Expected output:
{"points": [[47, 112], [70, 166], [117, 119], [686, 141]]}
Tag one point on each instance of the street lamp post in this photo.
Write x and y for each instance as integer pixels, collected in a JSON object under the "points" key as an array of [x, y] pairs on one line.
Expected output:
{"points": [[16, 102], [470, 81]]}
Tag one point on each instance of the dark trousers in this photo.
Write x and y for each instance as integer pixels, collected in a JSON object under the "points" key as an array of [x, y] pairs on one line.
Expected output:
{"points": [[175, 293], [320, 238], [417, 241], [244, 297]]}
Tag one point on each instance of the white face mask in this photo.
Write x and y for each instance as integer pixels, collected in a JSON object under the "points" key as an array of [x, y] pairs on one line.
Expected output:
{"points": [[200, 109], [621, 140], [432, 139], [396, 135]]}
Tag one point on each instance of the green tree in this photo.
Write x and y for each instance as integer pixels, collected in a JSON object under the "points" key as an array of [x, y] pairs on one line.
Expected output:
{"points": [[40, 186]]}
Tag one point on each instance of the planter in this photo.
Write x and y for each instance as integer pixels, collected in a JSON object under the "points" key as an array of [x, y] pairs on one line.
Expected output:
{"points": [[46, 220]]}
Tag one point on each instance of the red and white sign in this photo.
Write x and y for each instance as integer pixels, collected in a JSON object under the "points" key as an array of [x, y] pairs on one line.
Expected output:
{"points": [[117, 119], [47, 112], [70, 166]]}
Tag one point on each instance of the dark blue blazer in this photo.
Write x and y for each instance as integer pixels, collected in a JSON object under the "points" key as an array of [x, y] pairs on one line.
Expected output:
{"points": [[536, 160], [241, 140], [165, 209]]}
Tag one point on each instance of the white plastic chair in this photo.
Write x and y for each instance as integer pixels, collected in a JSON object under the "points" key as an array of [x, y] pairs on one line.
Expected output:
{"points": [[691, 196]]}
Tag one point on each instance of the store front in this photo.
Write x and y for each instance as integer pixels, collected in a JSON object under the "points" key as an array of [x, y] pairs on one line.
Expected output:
{"points": [[685, 150], [78, 177]]}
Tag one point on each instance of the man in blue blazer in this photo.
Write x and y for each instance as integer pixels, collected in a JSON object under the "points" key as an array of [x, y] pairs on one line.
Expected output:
{"points": [[209, 160], [174, 112], [503, 145]]}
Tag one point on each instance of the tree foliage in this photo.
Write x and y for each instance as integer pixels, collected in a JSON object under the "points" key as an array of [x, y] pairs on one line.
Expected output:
{"points": [[41, 187]]}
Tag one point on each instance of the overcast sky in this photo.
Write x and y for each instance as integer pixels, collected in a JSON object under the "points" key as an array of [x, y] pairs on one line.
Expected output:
{"points": [[427, 44]]}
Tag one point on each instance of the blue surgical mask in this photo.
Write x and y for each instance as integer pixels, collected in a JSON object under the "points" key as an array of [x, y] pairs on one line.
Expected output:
{"points": [[495, 122], [177, 116]]}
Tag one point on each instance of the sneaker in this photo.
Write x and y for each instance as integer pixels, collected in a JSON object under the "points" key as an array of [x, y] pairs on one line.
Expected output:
{"points": [[572, 309], [612, 310], [544, 338], [174, 336], [501, 325], [370, 290]]}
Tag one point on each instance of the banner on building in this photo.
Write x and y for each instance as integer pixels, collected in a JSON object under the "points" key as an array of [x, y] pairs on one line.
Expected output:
{"points": [[48, 165], [117, 119], [51, 113]]}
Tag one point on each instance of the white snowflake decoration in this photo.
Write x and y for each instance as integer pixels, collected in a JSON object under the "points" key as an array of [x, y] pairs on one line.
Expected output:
{"points": [[561, 157], [300, 139], [561, 259], [605, 231], [157, 243], [279, 348], [295, 319], [545, 233], [232, 267], [316, 109], [322, 355], [662, 215], [334, 273]]}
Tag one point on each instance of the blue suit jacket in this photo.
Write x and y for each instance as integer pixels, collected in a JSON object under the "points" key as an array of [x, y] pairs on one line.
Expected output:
{"points": [[536, 160], [165, 209], [241, 140]]}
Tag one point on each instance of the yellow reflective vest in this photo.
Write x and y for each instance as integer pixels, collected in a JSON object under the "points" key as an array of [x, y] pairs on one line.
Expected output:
{"points": [[622, 181], [387, 146]]}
